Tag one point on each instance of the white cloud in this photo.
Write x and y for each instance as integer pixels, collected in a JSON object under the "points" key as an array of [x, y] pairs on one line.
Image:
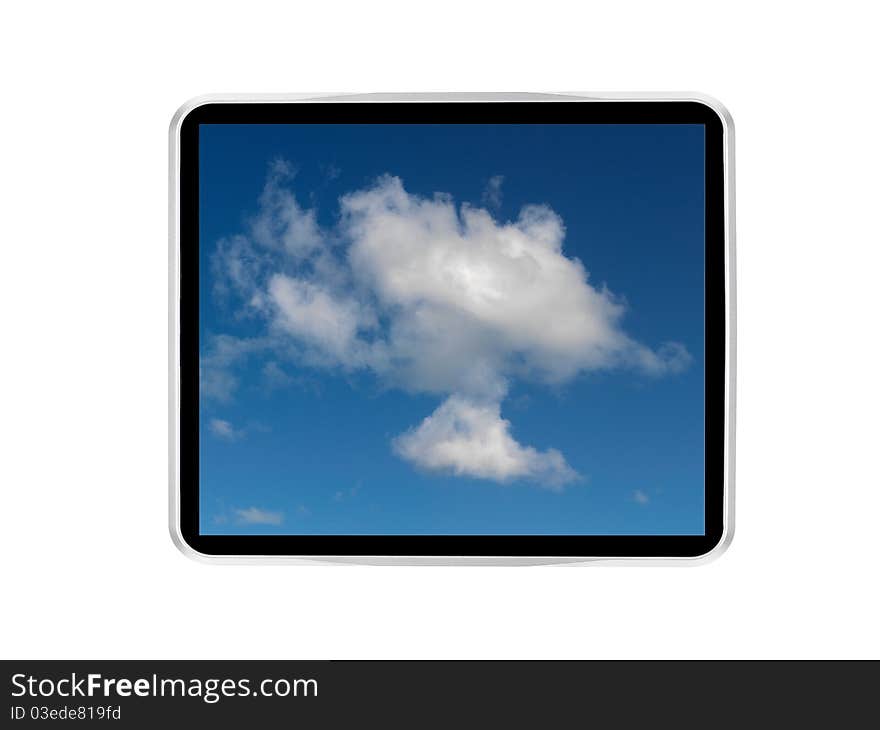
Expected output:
{"points": [[257, 516], [472, 439], [436, 298], [224, 430], [464, 288]]}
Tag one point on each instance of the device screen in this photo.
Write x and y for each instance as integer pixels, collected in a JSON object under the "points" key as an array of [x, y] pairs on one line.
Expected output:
{"points": [[451, 329]]}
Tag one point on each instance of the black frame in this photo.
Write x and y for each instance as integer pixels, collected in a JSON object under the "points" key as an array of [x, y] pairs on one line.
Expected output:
{"points": [[574, 111]]}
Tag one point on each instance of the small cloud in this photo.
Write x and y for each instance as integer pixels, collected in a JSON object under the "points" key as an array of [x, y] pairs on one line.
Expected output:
{"points": [[469, 438], [343, 494], [256, 516], [640, 497], [224, 430], [492, 195], [303, 511]]}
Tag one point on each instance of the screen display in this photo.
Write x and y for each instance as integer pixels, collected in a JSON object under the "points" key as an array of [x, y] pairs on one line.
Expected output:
{"points": [[451, 329]]}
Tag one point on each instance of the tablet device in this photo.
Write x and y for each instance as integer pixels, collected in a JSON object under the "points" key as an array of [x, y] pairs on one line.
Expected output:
{"points": [[452, 328]]}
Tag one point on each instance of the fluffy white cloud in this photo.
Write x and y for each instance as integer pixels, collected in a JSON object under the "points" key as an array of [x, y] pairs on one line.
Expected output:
{"points": [[466, 293], [257, 516], [472, 439], [434, 298]]}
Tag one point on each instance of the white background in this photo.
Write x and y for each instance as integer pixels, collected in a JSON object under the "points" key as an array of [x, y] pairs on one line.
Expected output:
{"points": [[88, 569]]}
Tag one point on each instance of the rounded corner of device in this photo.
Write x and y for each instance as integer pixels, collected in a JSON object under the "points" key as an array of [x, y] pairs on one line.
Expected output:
{"points": [[718, 549], [186, 547], [716, 107], [185, 109]]}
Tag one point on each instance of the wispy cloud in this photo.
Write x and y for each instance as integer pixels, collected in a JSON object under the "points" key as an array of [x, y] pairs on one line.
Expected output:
{"points": [[492, 195], [331, 171], [224, 430], [274, 376], [257, 516], [431, 298], [217, 364], [342, 494], [639, 496]]}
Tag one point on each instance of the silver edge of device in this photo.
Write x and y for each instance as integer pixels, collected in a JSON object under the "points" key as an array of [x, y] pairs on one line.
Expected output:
{"points": [[501, 97]]}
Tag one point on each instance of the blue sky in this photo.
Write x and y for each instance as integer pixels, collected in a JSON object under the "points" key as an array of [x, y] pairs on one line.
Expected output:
{"points": [[343, 303]]}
